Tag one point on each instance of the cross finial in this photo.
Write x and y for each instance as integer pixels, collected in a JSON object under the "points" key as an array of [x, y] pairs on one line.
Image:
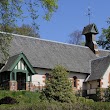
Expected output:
{"points": [[89, 14]]}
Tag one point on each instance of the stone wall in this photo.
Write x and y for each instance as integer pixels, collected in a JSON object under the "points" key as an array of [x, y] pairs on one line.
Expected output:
{"points": [[13, 85]]}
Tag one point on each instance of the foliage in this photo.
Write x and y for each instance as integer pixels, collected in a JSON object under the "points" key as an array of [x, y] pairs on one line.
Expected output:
{"points": [[50, 6], [76, 37], [58, 86], [31, 101], [8, 100], [107, 94], [5, 40], [12, 9], [58, 106], [99, 94], [100, 106], [49, 106], [102, 94], [22, 96], [26, 30], [104, 39]]}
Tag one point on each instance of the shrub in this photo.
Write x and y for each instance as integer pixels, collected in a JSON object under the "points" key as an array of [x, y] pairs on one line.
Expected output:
{"points": [[107, 94], [100, 94], [8, 100]]}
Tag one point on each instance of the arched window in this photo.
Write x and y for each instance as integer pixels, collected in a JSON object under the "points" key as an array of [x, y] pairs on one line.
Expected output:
{"points": [[47, 76], [99, 82], [74, 81]]}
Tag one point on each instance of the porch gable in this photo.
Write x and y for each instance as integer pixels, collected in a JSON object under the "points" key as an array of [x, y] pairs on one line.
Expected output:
{"points": [[18, 62]]}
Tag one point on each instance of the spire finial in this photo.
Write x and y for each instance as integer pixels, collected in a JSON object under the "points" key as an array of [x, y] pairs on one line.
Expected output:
{"points": [[89, 14]]}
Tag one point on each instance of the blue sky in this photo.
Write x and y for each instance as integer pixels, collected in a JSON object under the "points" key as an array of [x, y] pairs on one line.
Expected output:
{"points": [[71, 16]]}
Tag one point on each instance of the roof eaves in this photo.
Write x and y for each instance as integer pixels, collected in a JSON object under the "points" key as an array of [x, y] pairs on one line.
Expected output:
{"points": [[3, 66], [15, 62], [87, 78]]}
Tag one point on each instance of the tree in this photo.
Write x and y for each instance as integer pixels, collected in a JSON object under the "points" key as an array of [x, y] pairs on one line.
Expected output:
{"points": [[12, 10], [5, 40], [58, 86], [26, 30], [104, 39], [76, 37]]}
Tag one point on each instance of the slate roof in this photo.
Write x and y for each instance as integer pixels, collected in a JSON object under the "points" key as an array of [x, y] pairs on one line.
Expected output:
{"points": [[9, 63], [91, 28], [103, 53], [99, 67], [47, 54]]}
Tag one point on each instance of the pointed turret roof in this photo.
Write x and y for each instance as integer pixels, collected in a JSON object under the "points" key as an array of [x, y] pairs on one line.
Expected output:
{"points": [[91, 28]]}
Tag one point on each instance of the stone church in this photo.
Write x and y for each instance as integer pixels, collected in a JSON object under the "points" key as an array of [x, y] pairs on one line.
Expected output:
{"points": [[32, 59]]}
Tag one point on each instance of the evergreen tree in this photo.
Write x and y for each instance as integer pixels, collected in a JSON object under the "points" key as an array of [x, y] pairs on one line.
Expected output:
{"points": [[58, 86]]}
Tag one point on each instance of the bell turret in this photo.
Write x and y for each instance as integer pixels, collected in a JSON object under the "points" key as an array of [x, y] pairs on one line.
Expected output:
{"points": [[90, 31]]}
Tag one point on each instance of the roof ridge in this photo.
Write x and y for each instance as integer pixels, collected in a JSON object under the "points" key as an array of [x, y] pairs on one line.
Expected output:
{"points": [[44, 39], [3, 66], [100, 58]]}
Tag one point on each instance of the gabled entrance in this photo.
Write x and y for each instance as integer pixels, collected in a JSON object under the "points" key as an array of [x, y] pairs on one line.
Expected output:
{"points": [[20, 72]]}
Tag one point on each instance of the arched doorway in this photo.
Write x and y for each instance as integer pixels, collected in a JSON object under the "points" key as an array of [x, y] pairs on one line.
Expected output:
{"points": [[75, 81]]}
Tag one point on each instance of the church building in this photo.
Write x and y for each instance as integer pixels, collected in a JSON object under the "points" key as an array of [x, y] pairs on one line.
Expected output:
{"points": [[32, 59]]}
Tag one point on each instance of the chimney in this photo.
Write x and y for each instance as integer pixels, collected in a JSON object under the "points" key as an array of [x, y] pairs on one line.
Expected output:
{"points": [[90, 31]]}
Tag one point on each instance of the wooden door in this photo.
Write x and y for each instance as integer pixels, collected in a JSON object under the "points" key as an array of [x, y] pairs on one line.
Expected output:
{"points": [[21, 81]]}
